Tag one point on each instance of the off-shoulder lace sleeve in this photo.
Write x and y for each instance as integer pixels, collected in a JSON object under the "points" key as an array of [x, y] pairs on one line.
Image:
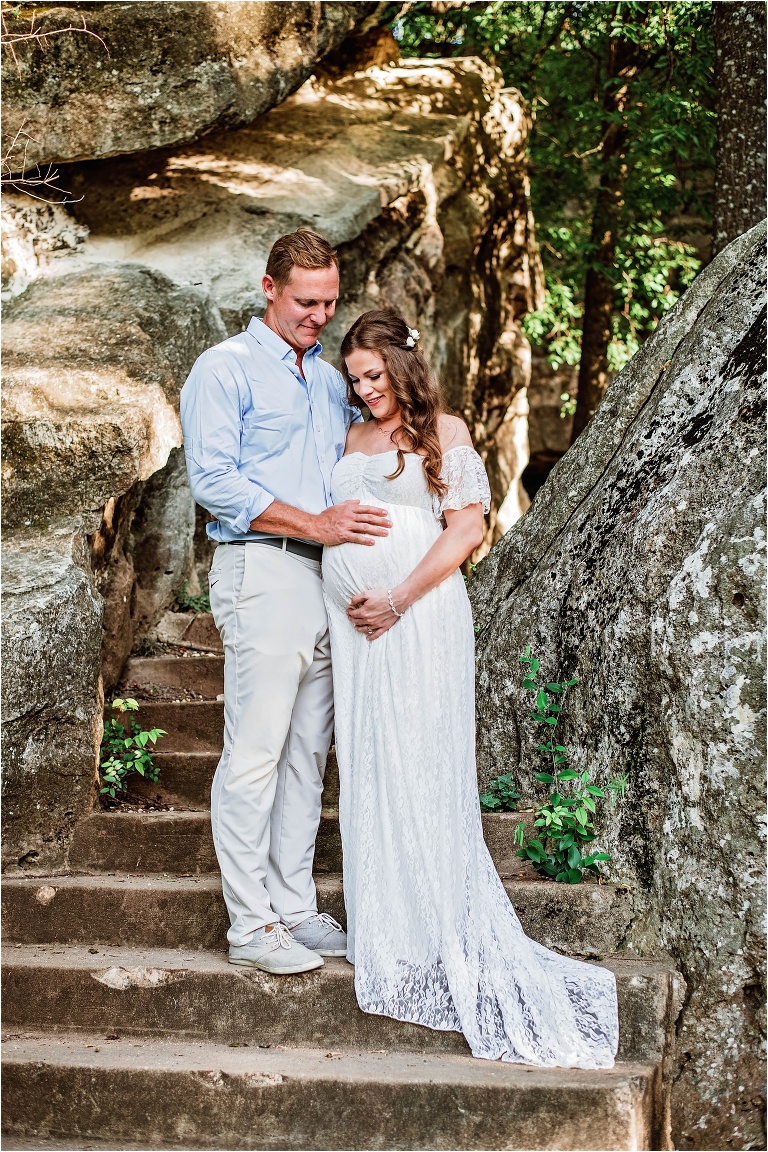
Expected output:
{"points": [[464, 473]]}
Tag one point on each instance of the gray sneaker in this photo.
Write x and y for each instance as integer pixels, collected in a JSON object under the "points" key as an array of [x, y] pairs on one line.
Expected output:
{"points": [[273, 949], [322, 934]]}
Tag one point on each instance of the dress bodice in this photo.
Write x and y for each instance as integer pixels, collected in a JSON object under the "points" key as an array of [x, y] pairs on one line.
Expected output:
{"points": [[360, 477]]}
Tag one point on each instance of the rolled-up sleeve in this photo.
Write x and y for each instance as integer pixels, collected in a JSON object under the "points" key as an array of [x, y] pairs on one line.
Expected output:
{"points": [[211, 419]]}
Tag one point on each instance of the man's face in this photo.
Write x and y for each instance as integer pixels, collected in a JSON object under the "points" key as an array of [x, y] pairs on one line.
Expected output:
{"points": [[299, 311]]}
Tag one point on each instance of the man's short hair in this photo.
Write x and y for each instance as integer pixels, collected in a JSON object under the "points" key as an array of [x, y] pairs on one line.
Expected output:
{"points": [[302, 249]]}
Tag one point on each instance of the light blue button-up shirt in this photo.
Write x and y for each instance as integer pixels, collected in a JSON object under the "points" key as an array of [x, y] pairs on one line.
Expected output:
{"points": [[255, 430]]}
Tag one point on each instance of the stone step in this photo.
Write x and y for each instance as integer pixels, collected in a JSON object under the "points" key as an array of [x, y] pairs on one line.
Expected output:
{"points": [[188, 630], [204, 674], [185, 779], [191, 725], [174, 842], [181, 1094], [165, 992], [181, 842], [202, 633], [189, 911]]}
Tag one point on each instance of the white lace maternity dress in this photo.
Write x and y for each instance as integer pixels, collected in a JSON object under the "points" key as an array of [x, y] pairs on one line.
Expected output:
{"points": [[432, 933]]}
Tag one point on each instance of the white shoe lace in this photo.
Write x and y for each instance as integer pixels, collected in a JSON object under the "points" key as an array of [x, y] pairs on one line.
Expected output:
{"points": [[329, 921], [284, 938]]}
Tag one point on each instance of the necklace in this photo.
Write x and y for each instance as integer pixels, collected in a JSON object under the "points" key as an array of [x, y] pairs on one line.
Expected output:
{"points": [[387, 431]]}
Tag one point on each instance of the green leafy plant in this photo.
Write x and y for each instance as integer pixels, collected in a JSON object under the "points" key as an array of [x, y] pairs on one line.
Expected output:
{"points": [[500, 795], [124, 750], [560, 849], [567, 405], [199, 602]]}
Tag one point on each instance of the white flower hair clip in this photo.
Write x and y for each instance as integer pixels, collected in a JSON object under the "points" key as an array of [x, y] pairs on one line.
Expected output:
{"points": [[413, 337]]}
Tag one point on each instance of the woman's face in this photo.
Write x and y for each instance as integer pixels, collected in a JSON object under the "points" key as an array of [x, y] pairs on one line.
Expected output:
{"points": [[369, 377]]}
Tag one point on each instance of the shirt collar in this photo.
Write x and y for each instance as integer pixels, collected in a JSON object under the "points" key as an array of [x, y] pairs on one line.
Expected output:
{"points": [[274, 343]]}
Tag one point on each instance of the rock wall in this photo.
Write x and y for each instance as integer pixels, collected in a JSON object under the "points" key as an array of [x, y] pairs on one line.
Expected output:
{"points": [[33, 232], [52, 701], [137, 76], [93, 364], [639, 569], [415, 172], [98, 520]]}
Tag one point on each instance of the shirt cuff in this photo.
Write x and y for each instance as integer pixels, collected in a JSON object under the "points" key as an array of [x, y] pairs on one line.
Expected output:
{"points": [[260, 502]]}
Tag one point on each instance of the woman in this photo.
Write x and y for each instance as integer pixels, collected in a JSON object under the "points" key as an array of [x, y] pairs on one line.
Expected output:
{"points": [[432, 934]]}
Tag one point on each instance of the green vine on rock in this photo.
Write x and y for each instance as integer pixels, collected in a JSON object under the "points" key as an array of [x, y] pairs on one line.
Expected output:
{"points": [[565, 821]]}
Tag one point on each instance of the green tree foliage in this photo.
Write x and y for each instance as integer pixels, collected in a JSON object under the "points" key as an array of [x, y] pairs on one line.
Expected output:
{"points": [[622, 99]]}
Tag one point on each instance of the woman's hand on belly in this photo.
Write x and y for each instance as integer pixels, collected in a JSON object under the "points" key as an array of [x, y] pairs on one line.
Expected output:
{"points": [[371, 613]]}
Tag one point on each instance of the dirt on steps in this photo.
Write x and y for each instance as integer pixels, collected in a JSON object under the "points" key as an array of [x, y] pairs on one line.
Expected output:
{"points": [[200, 673]]}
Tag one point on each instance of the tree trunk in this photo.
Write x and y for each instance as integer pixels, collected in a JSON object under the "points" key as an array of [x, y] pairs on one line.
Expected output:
{"points": [[599, 291], [740, 77]]}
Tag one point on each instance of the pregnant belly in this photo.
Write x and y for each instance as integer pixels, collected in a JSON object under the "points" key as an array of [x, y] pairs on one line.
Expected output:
{"points": [[352, 568]]}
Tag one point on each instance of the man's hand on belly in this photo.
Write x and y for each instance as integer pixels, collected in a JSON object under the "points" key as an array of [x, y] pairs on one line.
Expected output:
{"points": [[347, 523], [351, 523]]}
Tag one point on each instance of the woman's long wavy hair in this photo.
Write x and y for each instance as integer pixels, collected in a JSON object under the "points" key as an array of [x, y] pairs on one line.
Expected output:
{"points": [[412, 383]]}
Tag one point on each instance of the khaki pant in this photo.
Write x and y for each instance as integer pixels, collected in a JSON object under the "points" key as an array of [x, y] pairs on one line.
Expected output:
{"points": [[278, 718]]}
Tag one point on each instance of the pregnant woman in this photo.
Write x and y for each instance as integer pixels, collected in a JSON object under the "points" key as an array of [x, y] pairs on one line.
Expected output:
{"points": [[431, 931]]}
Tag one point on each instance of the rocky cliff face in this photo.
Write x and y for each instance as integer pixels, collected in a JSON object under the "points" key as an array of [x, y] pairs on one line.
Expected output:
{"points": [[639, 569], [93, 366], [52, 700], [98, 519], [416, 173], [132, 77]]}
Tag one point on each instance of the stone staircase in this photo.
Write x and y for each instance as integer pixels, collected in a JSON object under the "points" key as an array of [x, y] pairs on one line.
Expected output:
{"points": [[127, 1028]]}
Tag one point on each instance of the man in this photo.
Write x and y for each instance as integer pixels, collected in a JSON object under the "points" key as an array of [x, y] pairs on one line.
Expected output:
{"points": [[265, 420]]}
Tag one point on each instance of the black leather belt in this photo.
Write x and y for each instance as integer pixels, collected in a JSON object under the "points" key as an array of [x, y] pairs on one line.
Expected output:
{"points": [[298, 547]]}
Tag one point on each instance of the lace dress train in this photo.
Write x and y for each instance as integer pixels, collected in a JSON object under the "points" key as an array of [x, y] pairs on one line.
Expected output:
{"points": [[432, 933]]}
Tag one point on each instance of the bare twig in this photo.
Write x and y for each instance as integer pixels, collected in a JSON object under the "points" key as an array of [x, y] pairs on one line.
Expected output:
{"points": [[14, 163], [546, 244], [589, 151], [625, 311], [10, 39], [23, 182]]}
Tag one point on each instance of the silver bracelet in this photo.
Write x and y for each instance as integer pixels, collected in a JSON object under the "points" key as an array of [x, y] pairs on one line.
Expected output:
{"points": [[391, 604]]}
